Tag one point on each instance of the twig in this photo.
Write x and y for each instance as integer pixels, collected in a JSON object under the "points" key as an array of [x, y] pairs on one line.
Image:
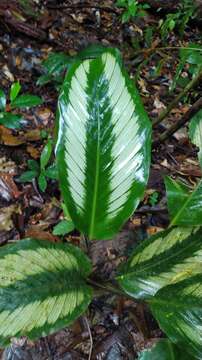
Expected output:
{"points": [[184, 119], [90, 337], [83, 6], [187, 88]]}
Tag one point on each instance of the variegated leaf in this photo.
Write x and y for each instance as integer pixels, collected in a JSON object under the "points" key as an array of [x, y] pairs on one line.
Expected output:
{"points": [[185, 206], [165, 258], [42, 288], [103, 147], [164, 350], [178, 309], [195, 133]]}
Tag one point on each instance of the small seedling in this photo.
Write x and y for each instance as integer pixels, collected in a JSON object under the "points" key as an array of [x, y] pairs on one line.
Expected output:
{"points": [[15, 101], [41, 171]]}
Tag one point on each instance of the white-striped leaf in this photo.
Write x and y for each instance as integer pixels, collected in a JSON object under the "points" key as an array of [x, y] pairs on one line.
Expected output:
{"points": [[178, 309], [195, 133], [103, 147], [42, 288], [185, 206], [165, 258]]}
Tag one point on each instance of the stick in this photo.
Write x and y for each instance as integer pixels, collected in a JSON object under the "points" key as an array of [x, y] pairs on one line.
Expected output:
{"points": [[187, 88], [184, 119]]}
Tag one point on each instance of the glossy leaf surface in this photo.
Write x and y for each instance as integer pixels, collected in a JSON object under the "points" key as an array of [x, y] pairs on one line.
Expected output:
{"points": [[195, 133], [165, 258], [15, 89], [185, 206], [2, 100], [178, 309], [23, 101], [164, 350], [9, 120], [103, 147], [42, 288], [46, 154]]}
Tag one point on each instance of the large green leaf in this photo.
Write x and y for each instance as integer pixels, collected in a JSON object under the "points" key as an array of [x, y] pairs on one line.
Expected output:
{"points": [[164, 350], [185, 206], [178, 309], [195, 133], [103, 147], [165, 258], [42, 288]]}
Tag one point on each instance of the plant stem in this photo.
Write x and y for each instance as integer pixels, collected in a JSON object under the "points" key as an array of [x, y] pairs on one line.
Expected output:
{"points": [[184, 119], [108, 287], [174, 48], [187, 88]]}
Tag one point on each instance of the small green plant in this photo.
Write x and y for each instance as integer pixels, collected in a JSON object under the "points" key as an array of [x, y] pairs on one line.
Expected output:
{"points": [[15, 101], [132, 9], [64, 226], [41, 171], [103, 151], [178, 20]]}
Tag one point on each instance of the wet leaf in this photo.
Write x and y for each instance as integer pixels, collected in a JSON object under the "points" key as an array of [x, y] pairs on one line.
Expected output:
{"points": [[184, 205], [103, 147]]}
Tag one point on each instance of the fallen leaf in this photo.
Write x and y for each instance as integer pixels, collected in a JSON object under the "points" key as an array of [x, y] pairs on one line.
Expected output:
{"points": [[41, 235], [6, 222], [8, 188]]}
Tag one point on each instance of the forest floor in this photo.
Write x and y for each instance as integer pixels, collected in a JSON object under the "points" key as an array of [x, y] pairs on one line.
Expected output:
{"points": [[116, 326]]}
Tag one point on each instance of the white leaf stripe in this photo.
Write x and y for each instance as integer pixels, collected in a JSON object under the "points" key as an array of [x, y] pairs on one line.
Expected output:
{"points": [[103, 136], [165, 258], [43, 289]]}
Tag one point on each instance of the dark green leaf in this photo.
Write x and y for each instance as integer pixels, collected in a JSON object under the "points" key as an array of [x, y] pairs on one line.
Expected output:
{"points": [[2, 100], [193, 54], [42, 182], [178, 309], [44, 79], [46, 154], [28, 176], [11, 121], [165, 258], [15, 89], [103, 147], [42, 288], [57, 62], [26, 100], [195, 133], [33, 165], [52, 172], [185, 206], [63, 227], [164, 350]]}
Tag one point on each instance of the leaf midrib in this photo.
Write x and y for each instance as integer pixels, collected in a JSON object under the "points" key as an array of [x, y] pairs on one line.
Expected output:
{"points": [[173, 222], [95, 191], [149, 266]]}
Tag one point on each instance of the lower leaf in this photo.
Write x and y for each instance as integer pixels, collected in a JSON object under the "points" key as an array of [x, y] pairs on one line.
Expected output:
{"points": [[178, 309], [164, 350], [42, 288]]}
